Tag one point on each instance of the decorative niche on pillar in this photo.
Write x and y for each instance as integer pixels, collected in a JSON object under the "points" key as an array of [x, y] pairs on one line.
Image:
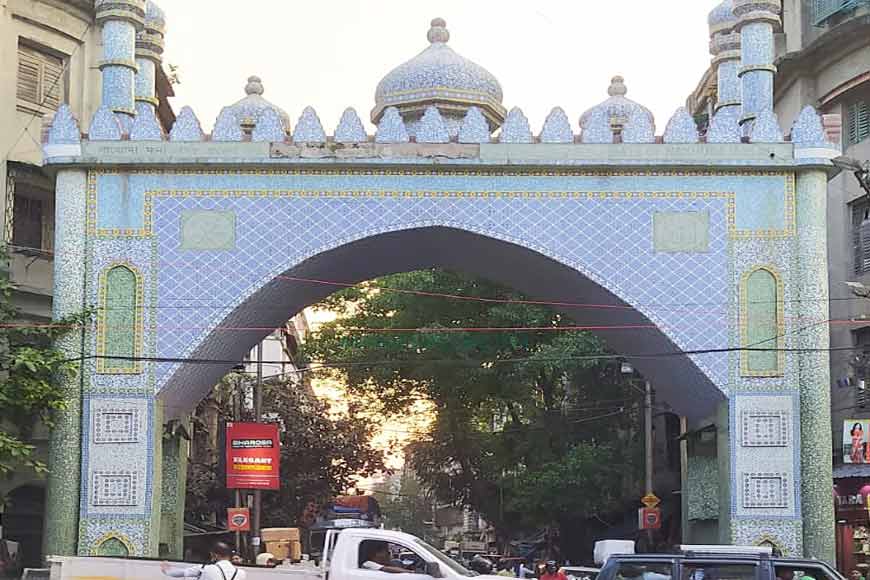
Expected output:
{"points": [[119, 321], [761, 323]]}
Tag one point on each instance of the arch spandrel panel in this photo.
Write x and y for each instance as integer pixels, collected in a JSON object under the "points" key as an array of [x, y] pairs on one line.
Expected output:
{"points": [[221, 236]]}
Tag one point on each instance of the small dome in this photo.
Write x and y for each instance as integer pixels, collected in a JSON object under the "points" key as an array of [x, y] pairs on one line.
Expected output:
{"points": [[618, 108], [439, 76], [155, 18], [722, 17], [249, 109]]}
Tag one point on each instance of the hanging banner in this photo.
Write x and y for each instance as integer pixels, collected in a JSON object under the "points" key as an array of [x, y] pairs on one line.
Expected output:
{"points": [[253, 456]]}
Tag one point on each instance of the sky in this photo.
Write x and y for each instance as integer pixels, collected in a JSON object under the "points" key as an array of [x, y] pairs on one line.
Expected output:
{"points": [[330, 54]]}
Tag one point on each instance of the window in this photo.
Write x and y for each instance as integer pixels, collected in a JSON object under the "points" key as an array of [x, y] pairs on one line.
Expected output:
{"points": [[374, 554], [861, 236], [40, 78], [644, 571], [858, 122], [27, 216], [825, 9], [716, 571]]}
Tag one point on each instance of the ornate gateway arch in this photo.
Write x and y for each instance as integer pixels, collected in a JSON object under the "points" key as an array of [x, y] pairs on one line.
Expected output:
{"points": [[191, 247]]}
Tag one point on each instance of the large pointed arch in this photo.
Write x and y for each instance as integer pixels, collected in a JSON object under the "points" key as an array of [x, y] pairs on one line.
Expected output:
{"points": [[678, 378]]}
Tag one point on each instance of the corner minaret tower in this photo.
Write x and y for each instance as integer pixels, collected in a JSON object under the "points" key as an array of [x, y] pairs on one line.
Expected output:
{"points": [[757, 20], [120, 20], [149, 54], [725, 48]]}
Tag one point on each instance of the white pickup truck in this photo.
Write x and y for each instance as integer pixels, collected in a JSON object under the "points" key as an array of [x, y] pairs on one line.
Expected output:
{"points": [[344, 553]]}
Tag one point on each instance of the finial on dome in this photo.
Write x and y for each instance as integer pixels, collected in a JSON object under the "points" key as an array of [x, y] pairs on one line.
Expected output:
{"points": [[254, 86], [438, 32], [617, 87]]}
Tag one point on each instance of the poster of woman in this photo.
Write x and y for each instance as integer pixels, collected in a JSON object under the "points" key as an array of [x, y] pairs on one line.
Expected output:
{"points": [[856, 447]]}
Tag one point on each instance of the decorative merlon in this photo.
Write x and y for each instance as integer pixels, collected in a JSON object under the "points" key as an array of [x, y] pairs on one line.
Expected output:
{"points": [[557, 128], [186, 127], [681, 128], [309, 129], [516, 128]]}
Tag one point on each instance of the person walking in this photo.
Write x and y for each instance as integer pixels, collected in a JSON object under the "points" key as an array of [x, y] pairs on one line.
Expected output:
{"points": [[219, 568]]}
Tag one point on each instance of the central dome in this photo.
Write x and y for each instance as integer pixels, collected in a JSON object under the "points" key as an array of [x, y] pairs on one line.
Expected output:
{"points": [[441, 77]]}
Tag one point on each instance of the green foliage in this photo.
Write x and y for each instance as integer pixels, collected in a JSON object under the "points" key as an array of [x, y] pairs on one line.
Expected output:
{"points": [[322, 453], [406, 507], [526, 412], [32, 374]]}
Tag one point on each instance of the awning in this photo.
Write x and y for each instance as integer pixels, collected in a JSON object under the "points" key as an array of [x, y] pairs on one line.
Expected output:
{"points": [[852, 470]]}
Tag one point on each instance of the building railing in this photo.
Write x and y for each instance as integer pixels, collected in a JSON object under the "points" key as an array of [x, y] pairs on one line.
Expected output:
{"points": [[823, 10]]}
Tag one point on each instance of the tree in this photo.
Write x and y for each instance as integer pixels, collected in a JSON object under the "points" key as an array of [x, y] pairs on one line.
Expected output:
{"points": [[407, 506], [32, 374], [529, 413], [322, 452]]}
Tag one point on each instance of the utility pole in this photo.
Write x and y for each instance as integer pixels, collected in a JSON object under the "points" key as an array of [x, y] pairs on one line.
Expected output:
{"points": [[258, 415], [648, 444], [237, 416]]}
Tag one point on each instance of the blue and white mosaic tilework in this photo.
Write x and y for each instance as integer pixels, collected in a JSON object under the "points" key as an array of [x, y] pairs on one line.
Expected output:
{"points": [[350, 128], [392, 129], [227, 127], [639, 129], [143, 205], [431, 128], [766, 129], [557, 128], [597, 128], [269, 128], [725, 127], [186, 127], [64, 128], [474, 127], [146, 127], [808, 130], [104, 126], [516, 128], [681, 128], [309, 128]]}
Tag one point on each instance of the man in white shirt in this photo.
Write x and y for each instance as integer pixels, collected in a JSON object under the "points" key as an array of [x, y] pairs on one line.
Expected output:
{"points": [[220, 567]]}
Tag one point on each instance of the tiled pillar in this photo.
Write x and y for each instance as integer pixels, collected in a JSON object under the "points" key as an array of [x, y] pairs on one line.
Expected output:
{"points": [[757, 21], [62, 503], [149, 53], [815, 380], [175, 451], [725, 48], [120, 20]]}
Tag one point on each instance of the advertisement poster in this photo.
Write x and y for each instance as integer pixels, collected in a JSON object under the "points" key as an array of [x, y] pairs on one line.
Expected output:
{"points": [[856, 441], [253, 456]]}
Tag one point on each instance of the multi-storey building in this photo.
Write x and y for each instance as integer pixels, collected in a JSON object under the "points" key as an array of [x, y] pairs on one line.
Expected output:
{"points": [[50, 52], [823, 59]]}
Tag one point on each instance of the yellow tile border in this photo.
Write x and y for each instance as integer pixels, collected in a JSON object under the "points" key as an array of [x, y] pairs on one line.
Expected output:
{"points": [[734, 233]]}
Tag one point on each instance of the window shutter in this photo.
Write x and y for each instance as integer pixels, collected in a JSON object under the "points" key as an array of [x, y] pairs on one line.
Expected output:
{"points": [[40, 77], [28, 75], [858, 123], [865, 245], [52, 83]]}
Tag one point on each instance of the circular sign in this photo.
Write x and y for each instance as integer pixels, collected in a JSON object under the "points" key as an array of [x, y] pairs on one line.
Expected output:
{"points": [[239, 520]]}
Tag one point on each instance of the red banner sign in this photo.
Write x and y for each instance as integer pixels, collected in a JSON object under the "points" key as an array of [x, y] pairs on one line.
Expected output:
{"points": [[239, 519], [253, 456]]}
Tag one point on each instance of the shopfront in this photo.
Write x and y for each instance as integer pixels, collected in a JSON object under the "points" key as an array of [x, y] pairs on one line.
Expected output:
{"points": [[852, 505]]}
